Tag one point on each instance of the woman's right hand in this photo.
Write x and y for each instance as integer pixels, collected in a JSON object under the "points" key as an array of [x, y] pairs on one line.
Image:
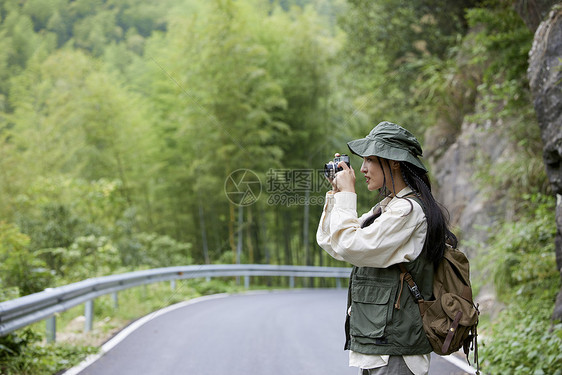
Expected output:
{"points": [[344, 179]]}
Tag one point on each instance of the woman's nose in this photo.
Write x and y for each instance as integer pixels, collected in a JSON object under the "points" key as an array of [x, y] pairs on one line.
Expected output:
{"points": [[363, 168]]}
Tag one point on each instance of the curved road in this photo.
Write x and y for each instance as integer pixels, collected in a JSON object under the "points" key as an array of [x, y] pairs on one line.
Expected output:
{"points": [[274, 333]]}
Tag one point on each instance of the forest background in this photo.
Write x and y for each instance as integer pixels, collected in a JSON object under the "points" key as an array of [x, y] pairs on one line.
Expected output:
{"points": [[121, 122]]}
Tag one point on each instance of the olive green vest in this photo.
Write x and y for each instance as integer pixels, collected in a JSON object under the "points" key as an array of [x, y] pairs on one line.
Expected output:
{"points": [[377, 325]]}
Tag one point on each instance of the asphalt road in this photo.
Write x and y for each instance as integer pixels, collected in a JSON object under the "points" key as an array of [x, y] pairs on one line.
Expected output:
{"points": [[274, 333]]}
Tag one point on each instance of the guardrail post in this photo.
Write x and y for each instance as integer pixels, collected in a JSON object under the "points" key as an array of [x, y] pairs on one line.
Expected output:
{"points": [[115, 299], [338, 283], [89, 313], [247, 282], [291, 281], [51, 328], [173, 284]]}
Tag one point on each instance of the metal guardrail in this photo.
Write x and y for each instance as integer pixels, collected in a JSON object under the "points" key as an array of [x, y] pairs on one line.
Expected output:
{"points": [[23, 311]]}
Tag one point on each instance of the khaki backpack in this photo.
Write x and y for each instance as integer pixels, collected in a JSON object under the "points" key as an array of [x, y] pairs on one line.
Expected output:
{"points": [[451, 318]]}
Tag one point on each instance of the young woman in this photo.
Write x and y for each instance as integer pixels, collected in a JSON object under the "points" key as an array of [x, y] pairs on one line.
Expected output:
{"points": [[384, 332]]}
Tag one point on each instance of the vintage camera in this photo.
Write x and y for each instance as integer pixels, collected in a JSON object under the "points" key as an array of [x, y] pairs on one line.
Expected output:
{"points": [[331, 168]]}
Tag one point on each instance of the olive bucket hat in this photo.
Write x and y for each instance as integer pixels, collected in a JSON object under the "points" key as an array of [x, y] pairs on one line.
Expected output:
{"points": [[389, 141]]}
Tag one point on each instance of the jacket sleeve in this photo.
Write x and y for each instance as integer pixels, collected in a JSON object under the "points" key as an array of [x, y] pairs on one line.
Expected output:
{"points": [[323, 232], [396, 236]]}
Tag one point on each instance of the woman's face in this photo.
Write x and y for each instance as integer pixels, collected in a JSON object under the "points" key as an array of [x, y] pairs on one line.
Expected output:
{"points": [[373, 173]]}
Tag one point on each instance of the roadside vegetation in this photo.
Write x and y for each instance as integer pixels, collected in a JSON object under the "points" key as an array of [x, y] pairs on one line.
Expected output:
{"points": [[521, 338]]}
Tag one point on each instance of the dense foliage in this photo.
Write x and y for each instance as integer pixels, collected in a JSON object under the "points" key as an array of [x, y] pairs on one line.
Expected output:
{"points": [[520, 259], [121, 122]]}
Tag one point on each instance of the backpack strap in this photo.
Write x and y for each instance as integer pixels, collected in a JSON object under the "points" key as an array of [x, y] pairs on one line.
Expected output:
{"points": [[412, 286], [414, 197], [405, 274], [451, 332]]}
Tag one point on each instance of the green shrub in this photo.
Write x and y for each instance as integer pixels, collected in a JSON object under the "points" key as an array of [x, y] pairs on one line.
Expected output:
{"points": [[153, 250], [213, 287], [501, 42], [89, 256], [521, 254], [22, 354], [523, 340], [520, 260], [21, 273]]}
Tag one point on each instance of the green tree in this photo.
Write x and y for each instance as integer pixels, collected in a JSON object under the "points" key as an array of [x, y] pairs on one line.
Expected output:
{"points": [[388, 43], [219, 106], [19, 268]]}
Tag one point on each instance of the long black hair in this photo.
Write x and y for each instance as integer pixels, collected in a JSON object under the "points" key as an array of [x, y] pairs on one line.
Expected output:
{"points": [[438, 233]]}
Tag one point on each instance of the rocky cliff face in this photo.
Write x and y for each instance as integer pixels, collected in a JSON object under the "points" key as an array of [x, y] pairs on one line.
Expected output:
{"points": [[477, 145], [471, 208], [545, 79]]}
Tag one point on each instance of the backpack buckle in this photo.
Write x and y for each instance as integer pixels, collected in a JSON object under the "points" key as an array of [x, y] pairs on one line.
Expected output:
{"points": [[415, 292]]}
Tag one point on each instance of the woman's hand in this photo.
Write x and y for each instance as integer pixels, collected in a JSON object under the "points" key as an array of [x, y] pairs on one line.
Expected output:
{"points": [[345, 179]]}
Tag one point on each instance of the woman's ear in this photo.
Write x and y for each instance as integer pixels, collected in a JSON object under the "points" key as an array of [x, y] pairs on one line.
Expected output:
{"points": [[395, 165]]}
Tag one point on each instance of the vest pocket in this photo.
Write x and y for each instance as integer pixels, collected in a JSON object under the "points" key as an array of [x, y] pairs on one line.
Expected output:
{"points": [[369, 310]]}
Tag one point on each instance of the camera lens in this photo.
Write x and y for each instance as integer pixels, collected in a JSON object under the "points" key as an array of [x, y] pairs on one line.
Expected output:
{"points": [[330, 170]]}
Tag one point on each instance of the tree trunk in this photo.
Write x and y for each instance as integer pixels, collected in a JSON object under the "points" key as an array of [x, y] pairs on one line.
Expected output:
{"points": [[203, 233], [240, 233], [305, 239], [249, 233], [277, 236], [287, 237], [264, 239], [305, 228], [121, 171], [231, 233]]}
